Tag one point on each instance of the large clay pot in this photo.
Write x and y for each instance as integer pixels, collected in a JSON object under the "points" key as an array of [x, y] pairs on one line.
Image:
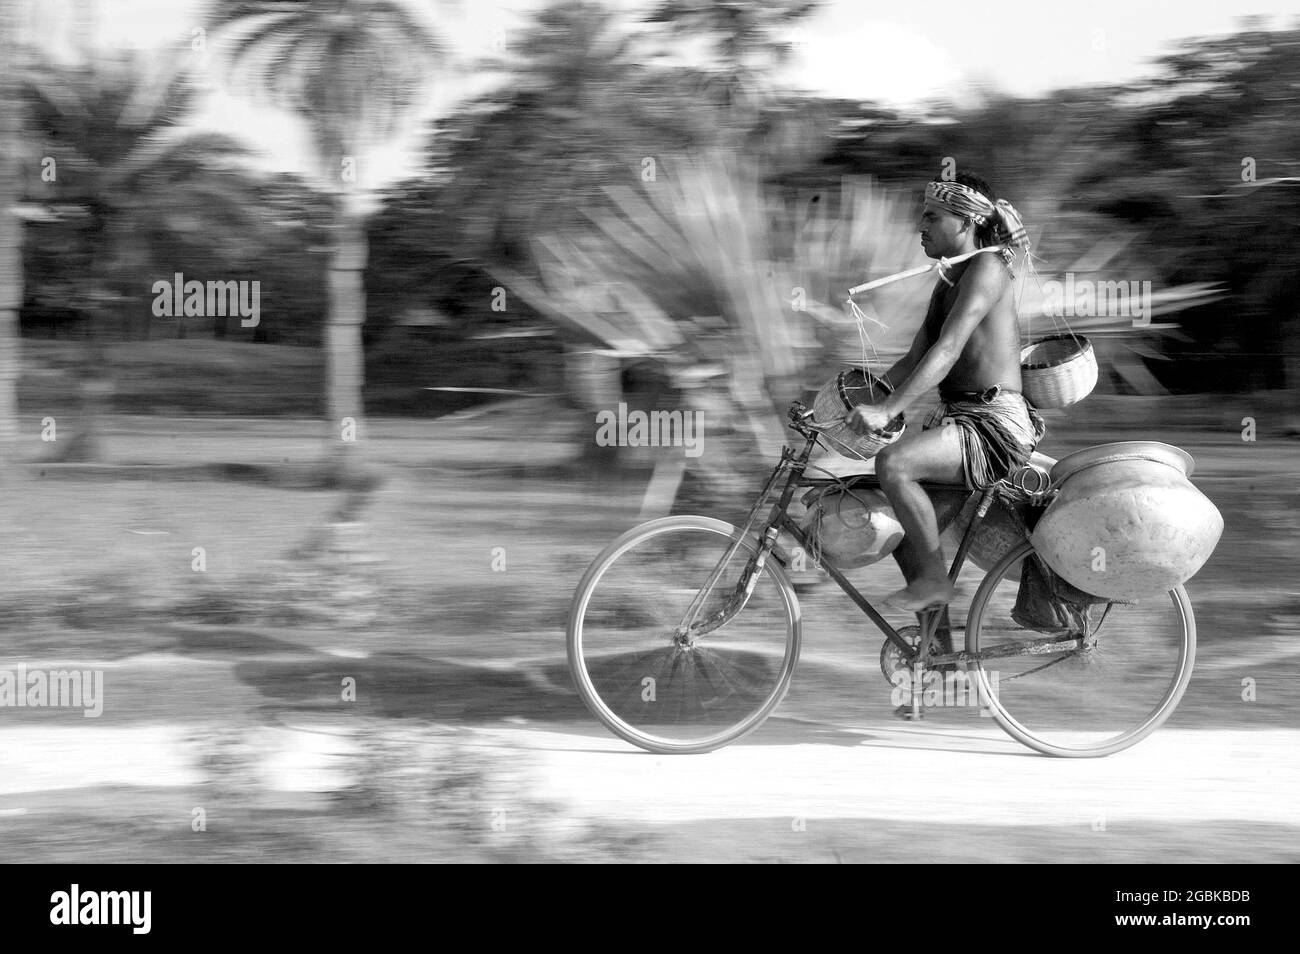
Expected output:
{"points": [[1126, 523], [852, 529]]}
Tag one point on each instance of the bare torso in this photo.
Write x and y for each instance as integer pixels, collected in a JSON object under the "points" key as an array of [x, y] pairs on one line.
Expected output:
{"points": [[992, 353]]}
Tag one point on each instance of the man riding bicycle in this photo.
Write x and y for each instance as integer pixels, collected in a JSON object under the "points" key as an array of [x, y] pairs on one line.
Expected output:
{"points": [[969, 346]]}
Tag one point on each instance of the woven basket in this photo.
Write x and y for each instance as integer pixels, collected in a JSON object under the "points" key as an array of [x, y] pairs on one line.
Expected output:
{"points": [[838, 396], [1058, 371]]}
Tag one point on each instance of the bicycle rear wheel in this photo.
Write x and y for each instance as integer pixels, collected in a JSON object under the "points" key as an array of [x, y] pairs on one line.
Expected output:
{"points": [[1092, 696], [638, 669]]}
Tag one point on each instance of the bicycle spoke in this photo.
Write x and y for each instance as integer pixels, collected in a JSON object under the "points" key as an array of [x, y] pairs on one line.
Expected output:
{"points": [[1122, 680], [688, 696]]}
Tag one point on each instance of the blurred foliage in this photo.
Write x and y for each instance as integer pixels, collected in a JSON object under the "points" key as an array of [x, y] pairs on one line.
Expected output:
{"points": [[119, 196], [538, 155], [1100, 183], [743, 42], [351, 70], [106, 173], [1186, 179], [1165, 163]]}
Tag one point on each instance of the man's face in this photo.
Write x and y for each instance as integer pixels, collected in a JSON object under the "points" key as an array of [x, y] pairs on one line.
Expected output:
{"points": [[942, 232]]}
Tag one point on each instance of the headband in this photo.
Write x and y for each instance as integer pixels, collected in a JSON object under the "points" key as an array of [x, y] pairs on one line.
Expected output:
{"points": [[964, 201], [960, 200]]}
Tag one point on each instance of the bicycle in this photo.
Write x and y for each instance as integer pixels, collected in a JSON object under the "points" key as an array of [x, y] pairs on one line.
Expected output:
{"points": [[678, 646]]}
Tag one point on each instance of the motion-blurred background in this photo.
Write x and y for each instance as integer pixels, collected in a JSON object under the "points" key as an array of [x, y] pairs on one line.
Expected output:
{"points": [[473, 229]]}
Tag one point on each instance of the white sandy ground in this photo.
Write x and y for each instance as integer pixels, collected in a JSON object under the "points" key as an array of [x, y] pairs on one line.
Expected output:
{"points": [[968, 775]]}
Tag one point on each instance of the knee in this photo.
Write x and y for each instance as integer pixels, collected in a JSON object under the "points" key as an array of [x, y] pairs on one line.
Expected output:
{"points": [[892, 466]]}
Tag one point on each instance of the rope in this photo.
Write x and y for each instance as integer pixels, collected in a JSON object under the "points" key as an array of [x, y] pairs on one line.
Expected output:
{"points": [[841, 487], [1031, 270], [863, 338]]}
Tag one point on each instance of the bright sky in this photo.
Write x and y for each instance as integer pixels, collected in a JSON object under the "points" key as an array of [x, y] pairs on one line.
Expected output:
{"points": [[900, 53], [905, 52]]}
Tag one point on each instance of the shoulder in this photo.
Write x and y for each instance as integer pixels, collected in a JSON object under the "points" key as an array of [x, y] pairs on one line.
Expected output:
{"points": [[989, 273]]}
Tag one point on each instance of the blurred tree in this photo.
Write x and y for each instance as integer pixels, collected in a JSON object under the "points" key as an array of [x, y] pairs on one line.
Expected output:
{"points": [[279, 243], [11, 234], [583, 111], [114, 169], [1198, 169], [1091, 211], [577, 112], [1226, 192], [580, 111], [748, 39], [113, 172], [353, 71]]}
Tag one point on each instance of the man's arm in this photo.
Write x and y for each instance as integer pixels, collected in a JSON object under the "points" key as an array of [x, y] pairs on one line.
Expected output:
{"points": [[921, 342], [982, 285], [904, 366]]}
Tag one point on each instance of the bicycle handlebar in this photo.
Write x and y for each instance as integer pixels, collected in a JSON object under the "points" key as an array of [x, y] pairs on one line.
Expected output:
{"points": [[801, 417]]}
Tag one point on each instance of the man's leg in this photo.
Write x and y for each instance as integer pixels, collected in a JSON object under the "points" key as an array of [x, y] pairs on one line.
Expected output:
{"points": [[948, 505], [911, 566], [934, 455]]}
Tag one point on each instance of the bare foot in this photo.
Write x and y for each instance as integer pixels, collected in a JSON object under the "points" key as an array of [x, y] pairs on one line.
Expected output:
{"points": [[922, 594]]}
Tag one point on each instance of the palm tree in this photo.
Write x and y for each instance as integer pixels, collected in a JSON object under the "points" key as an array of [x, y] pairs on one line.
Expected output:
{"points": [[126, 185], [352, 70]]}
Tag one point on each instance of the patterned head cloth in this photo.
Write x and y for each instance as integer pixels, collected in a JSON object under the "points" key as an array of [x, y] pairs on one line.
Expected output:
{"points": [[960, 200], [964, 201]]}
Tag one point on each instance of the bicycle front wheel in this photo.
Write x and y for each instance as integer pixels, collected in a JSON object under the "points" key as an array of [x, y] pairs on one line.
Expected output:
{"points": [[640, 662], [1096, 694]]}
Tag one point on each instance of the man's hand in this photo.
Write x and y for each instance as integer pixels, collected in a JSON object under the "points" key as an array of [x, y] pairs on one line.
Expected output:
{"points": [[866, 418]]}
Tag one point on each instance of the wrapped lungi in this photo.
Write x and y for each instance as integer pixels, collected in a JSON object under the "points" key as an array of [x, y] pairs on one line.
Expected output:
{"points": [[999, 430]]}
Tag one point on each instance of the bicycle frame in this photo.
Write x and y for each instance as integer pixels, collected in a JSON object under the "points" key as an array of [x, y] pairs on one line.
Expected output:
{"points": [[793, 465]]}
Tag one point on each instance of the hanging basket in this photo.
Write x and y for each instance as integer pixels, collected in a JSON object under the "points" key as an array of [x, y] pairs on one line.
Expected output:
{"points": [[1058, 371], [841, 394]]}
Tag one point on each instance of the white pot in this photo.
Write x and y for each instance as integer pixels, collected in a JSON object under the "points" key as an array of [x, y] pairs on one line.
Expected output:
{"points": [[853, 529], [1126, 522]]}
